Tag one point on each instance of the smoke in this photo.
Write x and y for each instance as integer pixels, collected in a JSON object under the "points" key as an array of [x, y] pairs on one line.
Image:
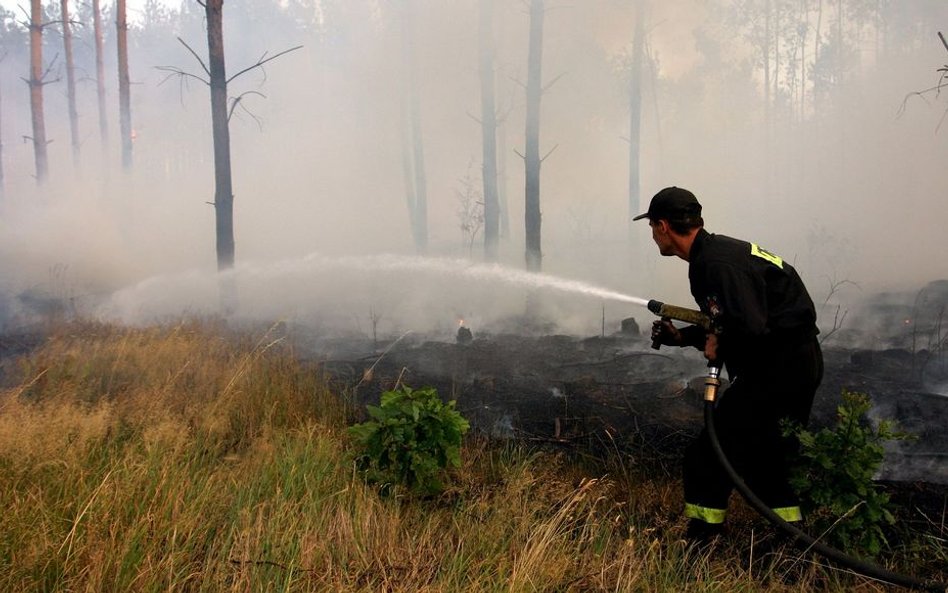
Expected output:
{"points": [[845, 187]]}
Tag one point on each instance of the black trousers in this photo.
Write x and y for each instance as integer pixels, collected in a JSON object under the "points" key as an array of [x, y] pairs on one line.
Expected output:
{"points": [[780, 385]]}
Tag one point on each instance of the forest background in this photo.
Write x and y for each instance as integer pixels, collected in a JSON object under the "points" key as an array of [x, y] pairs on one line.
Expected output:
{"points": [[798, 123]]}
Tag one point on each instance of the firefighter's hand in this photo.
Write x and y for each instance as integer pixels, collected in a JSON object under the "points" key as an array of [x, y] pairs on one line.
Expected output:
{"points": [[711, 347], [665, 333]]}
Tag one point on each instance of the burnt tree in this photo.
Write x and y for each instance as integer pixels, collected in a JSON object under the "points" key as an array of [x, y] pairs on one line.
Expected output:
{"points": [[413, 151], [532, 160], [939, 86], [489, 130], [70, 82], [635, 111], [2, 182], [100, 72], [124, 84], [504, 213], [221, 110], [223, 189], [36, 82]]}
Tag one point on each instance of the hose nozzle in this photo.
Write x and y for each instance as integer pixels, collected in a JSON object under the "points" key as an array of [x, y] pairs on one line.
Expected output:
{"points": [[692, 316], [711, 383]]}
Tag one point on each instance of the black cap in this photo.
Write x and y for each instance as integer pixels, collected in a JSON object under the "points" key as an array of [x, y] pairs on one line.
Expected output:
{"points": [[673, 204]]}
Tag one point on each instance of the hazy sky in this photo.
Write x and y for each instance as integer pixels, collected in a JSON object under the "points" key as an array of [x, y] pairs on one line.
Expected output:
{"points": [[839, 183]]}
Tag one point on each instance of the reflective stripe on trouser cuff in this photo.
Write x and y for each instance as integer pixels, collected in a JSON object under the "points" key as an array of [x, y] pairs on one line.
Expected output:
{"points": [[789, 514], [706, 514]]}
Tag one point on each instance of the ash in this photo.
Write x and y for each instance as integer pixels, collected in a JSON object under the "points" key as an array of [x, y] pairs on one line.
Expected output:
{"points": [[614, 391]]}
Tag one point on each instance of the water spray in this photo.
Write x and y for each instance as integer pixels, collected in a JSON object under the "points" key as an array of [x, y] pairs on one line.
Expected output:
{"points": [[278, 289]]}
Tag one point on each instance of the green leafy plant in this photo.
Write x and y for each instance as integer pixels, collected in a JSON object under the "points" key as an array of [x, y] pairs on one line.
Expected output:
{"points": [[411, 439], [834, 477]]}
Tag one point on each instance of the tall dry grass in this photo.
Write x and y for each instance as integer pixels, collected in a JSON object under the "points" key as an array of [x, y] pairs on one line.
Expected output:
{"points": [[193, 458]]}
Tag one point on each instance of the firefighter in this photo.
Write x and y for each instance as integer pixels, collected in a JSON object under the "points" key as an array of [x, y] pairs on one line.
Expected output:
{"points": [[766, 338]]}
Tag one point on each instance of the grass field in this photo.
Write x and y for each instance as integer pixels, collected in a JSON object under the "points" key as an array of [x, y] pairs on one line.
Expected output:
{"points": [[195, 458]]}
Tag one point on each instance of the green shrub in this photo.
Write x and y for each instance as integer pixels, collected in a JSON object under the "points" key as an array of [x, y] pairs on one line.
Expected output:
{"points": [[412, 438], [833, 477]]}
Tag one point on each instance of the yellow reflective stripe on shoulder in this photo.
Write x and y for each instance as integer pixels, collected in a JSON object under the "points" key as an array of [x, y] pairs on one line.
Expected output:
{"points": [[706, 514], [762, 253], [789, 514]]}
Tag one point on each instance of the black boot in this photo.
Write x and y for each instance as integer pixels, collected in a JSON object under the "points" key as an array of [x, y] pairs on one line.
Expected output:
{"points": [[703, 535]]}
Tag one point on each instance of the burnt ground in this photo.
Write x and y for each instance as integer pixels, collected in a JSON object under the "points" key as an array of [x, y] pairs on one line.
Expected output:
{"points": [[16, 343], [616, 390], [615, 393]]}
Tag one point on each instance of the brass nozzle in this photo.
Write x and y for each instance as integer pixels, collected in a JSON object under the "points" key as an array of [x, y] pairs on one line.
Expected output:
{"points": [[711, 384], [692, 316]]}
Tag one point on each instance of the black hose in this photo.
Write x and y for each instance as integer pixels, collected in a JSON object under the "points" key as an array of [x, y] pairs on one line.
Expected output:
{"points": [[802, 539]]}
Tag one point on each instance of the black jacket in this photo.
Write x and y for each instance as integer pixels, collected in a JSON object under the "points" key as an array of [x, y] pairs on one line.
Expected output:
{"points": [[756, 300]]}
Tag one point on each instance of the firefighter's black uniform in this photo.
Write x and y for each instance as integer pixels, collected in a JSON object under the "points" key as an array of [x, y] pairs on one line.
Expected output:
{"points": [[769, 348]]}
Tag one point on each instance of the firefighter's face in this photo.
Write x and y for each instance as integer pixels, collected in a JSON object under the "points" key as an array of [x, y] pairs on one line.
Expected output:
{"points": [[661, 235]]}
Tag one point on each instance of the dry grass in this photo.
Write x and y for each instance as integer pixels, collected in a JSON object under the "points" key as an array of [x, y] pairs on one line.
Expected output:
{"points": [[189, 458]]}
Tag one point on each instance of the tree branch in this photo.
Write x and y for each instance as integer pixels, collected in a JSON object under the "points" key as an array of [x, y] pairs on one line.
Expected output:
{"points": [[237, 101], [196, 56], [29, 18], [46, 72], [936, 89], [502, 114], [517, 82], [552, 82], [42, 80], [944, 115], [48, 23], [915, 94], [549, 153], [263, 61], [175, 71], [33, 140]]}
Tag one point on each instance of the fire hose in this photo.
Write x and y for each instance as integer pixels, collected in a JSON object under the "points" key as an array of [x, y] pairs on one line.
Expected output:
{"points": [[798, 537]]}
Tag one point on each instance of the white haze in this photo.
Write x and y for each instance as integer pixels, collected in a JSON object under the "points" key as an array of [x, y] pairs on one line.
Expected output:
{"points": [[394, 292], [853, 195]]}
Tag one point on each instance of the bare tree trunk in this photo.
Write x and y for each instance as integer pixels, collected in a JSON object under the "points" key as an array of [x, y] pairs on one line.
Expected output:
{"points": [[100, 73], [770, 86], [489, 131], [421, 180], [2, 182], [125, 109], [818, 47], [880, 32], [36, 92], [839, 41], [223, 190], [532, 223], [804, 17], [635, 112], [408, 169], [418, 196], [840, 65], [776, 50], [504, 212], [70, 82], [765, 50]]}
